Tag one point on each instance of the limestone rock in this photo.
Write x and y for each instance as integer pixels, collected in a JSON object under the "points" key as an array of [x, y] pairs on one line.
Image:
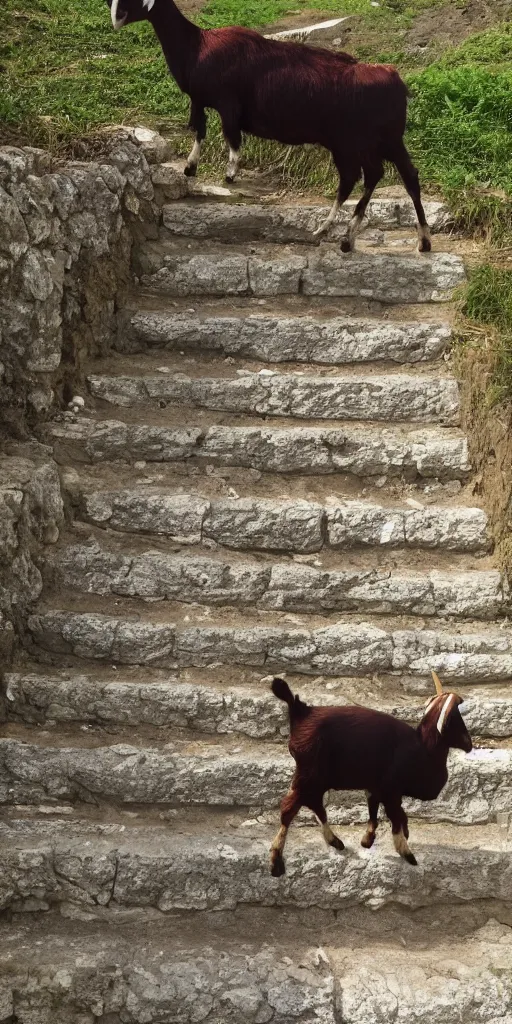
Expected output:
{"points": [[393, 397], [277, 586], [280, 339]]}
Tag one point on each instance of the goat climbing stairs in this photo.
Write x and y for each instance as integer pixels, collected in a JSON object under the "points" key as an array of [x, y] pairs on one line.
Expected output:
{"points": [[269, 477]]}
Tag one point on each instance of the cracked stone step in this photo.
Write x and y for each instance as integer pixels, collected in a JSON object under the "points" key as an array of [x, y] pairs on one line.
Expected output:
{"points": [[278, 339], [479, 785], [77, 978], [300, 526], [156, 868], [55, 971], [309, 450], [42, 698], [387, 277], [283, 586], [343, 649], [393, 398], [246, 221]]}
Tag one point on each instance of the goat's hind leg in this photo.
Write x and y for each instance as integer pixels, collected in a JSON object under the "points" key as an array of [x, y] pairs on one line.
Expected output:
{"points": [[409, 175], [197, 123], [233, 137], [290, 806], [316, 804], [400, 830], [373, 820], [348, 177]]}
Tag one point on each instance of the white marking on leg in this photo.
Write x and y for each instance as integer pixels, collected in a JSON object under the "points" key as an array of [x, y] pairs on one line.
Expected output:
{"points": [[328, 833], [234, 157], [401, 845], [423, 234], [280, 839], [328, 220], [193, 157], [116, 22]]}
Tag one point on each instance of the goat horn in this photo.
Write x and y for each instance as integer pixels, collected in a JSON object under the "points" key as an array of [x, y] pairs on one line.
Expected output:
{"points": [[437, 682]]}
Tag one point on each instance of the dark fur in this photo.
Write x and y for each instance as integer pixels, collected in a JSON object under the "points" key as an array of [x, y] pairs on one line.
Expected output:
{"points": [[360, 749], [292, 93]]}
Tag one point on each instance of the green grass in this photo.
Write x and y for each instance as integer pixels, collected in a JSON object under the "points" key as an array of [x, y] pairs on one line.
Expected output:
{"points": [[488, 303]]}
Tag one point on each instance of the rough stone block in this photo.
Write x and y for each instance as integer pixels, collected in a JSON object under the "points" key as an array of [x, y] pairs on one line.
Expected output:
{"points": [[383, 278], [390, 397], [278, 586], [280, 339]]}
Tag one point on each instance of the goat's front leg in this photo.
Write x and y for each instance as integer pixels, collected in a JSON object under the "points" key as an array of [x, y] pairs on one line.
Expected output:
{"points": [[197, 122], [290, 806], [400, 829], [373, 820]]}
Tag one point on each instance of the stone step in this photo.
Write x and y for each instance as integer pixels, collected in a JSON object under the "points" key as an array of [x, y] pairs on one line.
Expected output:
{"points": [[268, 966], [171, 269], [252, 776], [281, 586], [76, 977], [340, 649], [239, 222], [309, 450], [42, 698], [104, 868], [279, 339], [299, 526], [388, 397]]}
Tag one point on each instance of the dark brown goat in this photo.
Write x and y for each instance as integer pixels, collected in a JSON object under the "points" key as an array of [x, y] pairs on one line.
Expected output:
{"points": [[292, 93], [357, 748]]}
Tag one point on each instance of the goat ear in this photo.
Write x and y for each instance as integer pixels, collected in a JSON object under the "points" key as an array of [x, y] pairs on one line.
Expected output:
{"points": [[445, 712]]}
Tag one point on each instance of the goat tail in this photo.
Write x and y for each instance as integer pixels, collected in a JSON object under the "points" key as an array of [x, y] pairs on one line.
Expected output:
{"points": [[281, 690], [297, 710]]}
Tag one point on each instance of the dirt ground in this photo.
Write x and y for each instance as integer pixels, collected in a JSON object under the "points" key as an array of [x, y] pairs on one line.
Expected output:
{"points": [[435, 29]]}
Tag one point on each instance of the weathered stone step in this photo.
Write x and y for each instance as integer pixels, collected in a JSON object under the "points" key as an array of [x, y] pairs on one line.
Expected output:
{"points": [[300, 526], [59, 972], [309, 450], [389, 397], [479, 785], [76, 977], [343, 649], [386, 277], [41, 698], [99, 869], [285, 586], [279, 339], [244, 221]]}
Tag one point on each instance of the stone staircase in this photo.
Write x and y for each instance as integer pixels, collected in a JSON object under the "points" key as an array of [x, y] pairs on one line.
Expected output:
{"points": [[269, 476]]}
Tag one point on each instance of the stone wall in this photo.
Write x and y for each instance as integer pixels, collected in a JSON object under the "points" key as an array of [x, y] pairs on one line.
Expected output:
{"points": [[66, 233]]}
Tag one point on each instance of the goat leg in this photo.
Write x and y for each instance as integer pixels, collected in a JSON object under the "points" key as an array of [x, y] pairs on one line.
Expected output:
{"points": [[290, 806], [373, 820], [400, 830], [316, 804], [197, 123]]}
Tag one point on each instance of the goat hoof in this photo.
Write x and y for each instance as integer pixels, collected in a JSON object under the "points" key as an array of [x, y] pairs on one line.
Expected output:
{"points": [[336, 843], [411, 859], [277, 867], [230, 178], [190, 171], [367, 842], [425, 245], [345, 245]]}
